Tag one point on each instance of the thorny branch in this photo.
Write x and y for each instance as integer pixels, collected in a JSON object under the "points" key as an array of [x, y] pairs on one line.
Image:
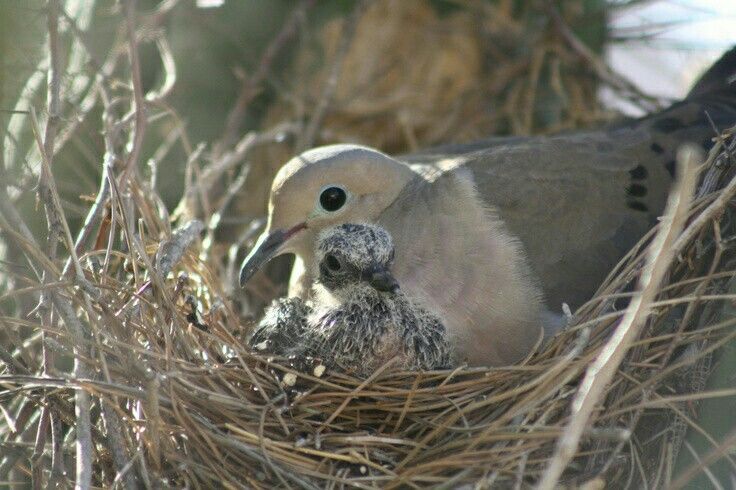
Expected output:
{"points": [[53, 103]]}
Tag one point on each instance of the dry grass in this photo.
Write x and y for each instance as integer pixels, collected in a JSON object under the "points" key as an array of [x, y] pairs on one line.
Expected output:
{"points": [[193, 406], [167, 394]]}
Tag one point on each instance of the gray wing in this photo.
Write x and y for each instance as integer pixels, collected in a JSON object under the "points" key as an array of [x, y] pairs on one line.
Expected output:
{"points": [[579, 201]]}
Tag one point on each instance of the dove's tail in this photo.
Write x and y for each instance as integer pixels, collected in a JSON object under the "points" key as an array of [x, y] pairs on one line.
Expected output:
{"points": [[711, 102], [719, 78], [707, 110]]}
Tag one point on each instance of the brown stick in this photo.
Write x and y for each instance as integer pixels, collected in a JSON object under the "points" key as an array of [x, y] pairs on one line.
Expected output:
{"points": [[45, 193], [139, 101], [249, 88], [307, 138]]}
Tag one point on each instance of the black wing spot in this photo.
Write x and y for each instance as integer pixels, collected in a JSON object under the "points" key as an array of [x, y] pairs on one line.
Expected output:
{"points": [[637, 206], [668, 124], [657, 148], [639, 172], [636, 190], [670, 166]]}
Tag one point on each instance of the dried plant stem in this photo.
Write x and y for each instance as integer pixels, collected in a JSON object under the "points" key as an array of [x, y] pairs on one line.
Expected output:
{"points": [[47, 148], [605, 366], [203, 185], [139, 100], [713, 210], [307, 138], [117, 444], [713, 455], [249, 88], [16, 228], [604, 72]]}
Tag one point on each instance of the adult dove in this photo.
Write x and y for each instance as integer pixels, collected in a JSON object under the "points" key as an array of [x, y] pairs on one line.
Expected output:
{"points": [[481, 230]]}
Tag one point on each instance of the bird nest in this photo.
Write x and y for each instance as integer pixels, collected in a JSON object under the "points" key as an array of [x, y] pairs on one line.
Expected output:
{"points": [[178, 398]]}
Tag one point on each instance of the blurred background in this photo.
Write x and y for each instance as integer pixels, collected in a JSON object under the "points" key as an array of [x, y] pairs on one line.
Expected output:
{"points": [[236, 87], [409, 75]]}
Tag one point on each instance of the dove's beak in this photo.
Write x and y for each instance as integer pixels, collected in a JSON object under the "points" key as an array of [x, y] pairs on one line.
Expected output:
{"points": [[383, 280], [269, 245]]}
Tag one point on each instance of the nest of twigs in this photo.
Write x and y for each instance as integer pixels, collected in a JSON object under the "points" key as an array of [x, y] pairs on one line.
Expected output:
{"points": [[180, 400], [163, 390]]}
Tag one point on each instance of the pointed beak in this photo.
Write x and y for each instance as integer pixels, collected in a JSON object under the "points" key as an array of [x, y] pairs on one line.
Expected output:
{"points": [[383, 280], [268, 246]]}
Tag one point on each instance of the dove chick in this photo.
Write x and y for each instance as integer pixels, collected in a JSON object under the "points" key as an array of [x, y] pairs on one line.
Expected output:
{"points": [[358, 318], [282, 327]]}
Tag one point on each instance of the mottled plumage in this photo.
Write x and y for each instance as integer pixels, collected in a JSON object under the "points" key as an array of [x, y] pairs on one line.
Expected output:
{"points": [[282, 327], [358, 318], [367, 328]]}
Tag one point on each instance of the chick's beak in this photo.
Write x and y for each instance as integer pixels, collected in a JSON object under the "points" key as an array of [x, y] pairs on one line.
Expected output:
{"points": [[383, 280], [268, 246]]}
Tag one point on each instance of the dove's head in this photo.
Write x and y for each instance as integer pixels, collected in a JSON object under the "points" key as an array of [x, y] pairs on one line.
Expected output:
{"points": [[321, 188], [351, 254]]}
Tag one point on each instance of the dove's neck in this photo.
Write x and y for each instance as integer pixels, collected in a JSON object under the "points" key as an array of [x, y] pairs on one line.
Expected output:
{"points": [[455, 256], [354, 293]]}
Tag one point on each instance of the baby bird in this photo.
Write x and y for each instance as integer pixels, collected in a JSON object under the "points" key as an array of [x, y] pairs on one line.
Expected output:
{"points": [[358, 319], [282, 327]]}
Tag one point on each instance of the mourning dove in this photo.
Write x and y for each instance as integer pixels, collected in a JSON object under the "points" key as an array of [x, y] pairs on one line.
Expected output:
{"points": [[460, 214], [358, 319]]}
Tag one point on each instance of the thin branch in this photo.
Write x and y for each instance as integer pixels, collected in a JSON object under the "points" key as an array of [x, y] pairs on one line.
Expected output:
{"points": [[54, 80], [211, 175], [17, 230], [57, 223], [54, 230], [171, 251], [249, 88], [602, 70], [702, 464], [307, 138], [139, 101], [102, 72], [169, 67]]}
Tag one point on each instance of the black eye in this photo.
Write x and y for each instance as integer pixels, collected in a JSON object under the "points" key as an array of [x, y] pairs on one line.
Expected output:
{"points": [[332, 198], [332, 263]]}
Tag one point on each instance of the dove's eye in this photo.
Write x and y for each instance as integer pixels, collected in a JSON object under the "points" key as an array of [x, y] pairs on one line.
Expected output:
{"points": [[332, 198], [332, 263]]}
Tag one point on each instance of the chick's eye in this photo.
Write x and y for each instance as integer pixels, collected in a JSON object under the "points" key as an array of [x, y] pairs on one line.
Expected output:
{"points": [[332, 198], [332, 263]]}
